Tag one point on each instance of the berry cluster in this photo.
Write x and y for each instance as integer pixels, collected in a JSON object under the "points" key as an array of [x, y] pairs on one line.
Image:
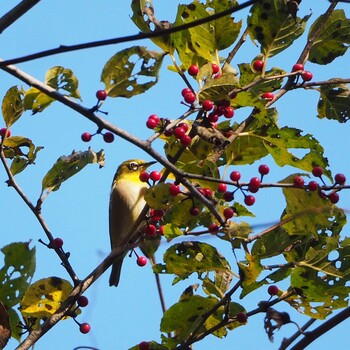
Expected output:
{"points": [[193, 70], [317, 171], [305, 74], [108, 137]]}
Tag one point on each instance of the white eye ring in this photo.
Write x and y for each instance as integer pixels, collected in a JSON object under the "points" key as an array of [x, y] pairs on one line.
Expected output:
{"points": [[133, 166]]}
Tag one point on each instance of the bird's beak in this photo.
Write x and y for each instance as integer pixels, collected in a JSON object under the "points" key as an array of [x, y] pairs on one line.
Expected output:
{"points": [[146, 165]]}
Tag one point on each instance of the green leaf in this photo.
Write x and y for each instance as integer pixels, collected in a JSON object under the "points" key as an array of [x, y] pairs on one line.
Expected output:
{"points": [[333, 40], [249, 272], [131, 71], [15, 147], [334, 102], [158, 197], [67, 166], [219, 286], [185, 258], [12, 105], [36, 100], [171, 231], [17, 272], [61, 78], [272, 25]]}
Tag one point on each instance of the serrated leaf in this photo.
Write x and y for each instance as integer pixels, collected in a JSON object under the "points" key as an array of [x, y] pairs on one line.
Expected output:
{"points": [[272, 25], [17, 272], [334, 102], [44, 297], [333, 40], [124, 75], [67, 166], [61, 78], [185, 258], [12, 105], [15, 147]]}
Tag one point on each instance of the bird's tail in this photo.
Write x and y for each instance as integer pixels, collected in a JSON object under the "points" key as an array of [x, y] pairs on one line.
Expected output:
{"points": [[115, 274]]}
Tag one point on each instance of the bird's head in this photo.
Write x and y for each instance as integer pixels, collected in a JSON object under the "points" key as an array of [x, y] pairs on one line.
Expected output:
{"points": [[131, 169]]}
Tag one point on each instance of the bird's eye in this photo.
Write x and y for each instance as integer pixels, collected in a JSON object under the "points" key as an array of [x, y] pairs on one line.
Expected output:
{"points": [[133, 166]]}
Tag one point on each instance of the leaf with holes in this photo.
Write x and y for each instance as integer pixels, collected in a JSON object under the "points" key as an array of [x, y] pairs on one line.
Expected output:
{"points": [[334, 102], [272, 25], [67, 166], [12, 105], [123, 77], [333, 40]]}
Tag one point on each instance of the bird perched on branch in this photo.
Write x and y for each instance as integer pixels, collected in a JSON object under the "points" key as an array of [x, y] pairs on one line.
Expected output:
{"points": [[125, 205]]}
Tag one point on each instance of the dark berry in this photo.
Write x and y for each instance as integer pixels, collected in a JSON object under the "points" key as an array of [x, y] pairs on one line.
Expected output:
{"points": [[255, 182], [228, 196], [86, 137], [258, 65], [108, 137], [183, 126], [83, 301], [242, 317], [194, 211], [273, 290], [193, 70], [157, 214], [228, 213], [84, 328], [340, 179], [317, 171], [298, 181], [263, 169], [150, 230], [312, 186], [141, 261], [144, 345], [213, 228], [249, 200], [3, 132], [185, 140], [101, 95], [229, 112], [334, 197], [213, 118], [57, 243]]}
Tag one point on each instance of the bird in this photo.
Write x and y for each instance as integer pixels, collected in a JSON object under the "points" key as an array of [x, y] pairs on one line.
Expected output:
{"points": [[125, 206]]}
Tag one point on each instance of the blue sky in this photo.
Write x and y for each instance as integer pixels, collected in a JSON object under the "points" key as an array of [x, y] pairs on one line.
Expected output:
{"points": [[121, 317]]}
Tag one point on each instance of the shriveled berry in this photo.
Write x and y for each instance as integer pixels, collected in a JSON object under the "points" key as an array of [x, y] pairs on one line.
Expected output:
{"points": [[258, 65], [193, 70], [190, 97], [312, 186], [273, 290], [263, 169], [84, 328], [298, 181], [174, 190], [144, 176], [141, 261], [340, 179], [86, 137], [8, 133], [235, 175], [317, 171], [82, 301], [101, 95], [298, 67], [306, 75], [334, 197], [215, 68], [242, 317], [249, 200], [228, 213], [108, 137], [222, 187]]}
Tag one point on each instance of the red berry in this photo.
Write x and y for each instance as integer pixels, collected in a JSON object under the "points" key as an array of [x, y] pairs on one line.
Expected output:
{"points": [[144, 176], [144, 345], [212, 117], [150, 230], [86, 137], [273, 290], [229, 112], [228, 196], [57, 243], [207, 105], [194, 211], [141, 261], [215, 68], [108, 137], [157, 214], [186, 91], [255, 182], [222, 187], [3, 132], [193, 70], [151, 123], [213, 228], [298, 181], [317, 171], [228, 213], [155, 175], [258, 65], [235, 175], [306, 75], [333, 197], [190, 97], [161, 230], [298, 67], [183, 126], [84, 328], [83, 301], [268, 96], [249, 200], [216, 76], [179, 132], [312, 186], [340, 179], [174, 190], [263, 169], [242, 317], [186, 140], [101, 95]]}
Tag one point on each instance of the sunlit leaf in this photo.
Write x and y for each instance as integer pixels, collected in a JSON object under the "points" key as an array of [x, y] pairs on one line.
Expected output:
{"points": [[12, 105], [131, 71], [334, 39], [249, 272], [67, 166], [36, 100]]}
